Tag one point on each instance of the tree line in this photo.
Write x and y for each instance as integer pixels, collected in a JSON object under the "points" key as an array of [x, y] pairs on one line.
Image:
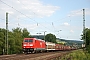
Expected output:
{"points": [[15, 38]]}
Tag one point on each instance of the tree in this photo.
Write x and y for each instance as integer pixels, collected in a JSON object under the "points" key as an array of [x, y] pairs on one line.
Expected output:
{"points": [[17, 33], [2, 40], [11, 43], [25, 33], [86, 38], [50, 38]]}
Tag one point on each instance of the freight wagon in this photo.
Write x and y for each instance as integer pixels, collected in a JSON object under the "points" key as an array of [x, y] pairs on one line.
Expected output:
{"points": [[59, 47], [50, 46]]}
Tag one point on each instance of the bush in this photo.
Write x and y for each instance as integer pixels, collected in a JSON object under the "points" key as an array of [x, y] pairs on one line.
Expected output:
{"points": [[88, 48]]}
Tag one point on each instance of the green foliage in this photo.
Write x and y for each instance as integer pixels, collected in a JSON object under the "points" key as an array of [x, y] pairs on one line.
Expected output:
{"points": [[77, 55], [15, 38], [88, 48], [25, 33], [50, 38], [86, 38], [2, 40]]}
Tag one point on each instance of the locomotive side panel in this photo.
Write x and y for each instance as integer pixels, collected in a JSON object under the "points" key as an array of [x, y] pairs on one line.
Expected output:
{"points": [[39, 45]]}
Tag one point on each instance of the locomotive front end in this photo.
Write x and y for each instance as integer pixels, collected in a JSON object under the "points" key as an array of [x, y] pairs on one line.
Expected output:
{"points": [[28, 45]]}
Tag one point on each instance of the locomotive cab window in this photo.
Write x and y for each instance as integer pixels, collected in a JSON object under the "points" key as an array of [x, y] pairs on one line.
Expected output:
{"points": [[28, 40], [25, 40]]}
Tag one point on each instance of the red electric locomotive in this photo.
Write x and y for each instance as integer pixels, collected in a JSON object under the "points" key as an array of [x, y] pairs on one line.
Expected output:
{"points": [[32, 45]]}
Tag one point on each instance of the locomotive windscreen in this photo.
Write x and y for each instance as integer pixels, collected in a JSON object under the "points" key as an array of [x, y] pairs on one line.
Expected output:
{"points": [[28, 40]]}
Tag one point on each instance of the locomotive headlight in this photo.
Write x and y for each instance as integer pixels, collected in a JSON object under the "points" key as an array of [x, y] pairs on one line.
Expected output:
{"points": [[24, 45], [31, 44]]}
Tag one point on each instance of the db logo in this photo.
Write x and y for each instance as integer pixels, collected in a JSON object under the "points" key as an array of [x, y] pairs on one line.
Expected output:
{"points": [[40, 44]]}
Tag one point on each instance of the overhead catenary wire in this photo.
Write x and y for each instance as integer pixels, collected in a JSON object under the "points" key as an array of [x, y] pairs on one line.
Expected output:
{"points": [[18, 11], [35, 13], [22, 13], [37, 23], [68, 16]]}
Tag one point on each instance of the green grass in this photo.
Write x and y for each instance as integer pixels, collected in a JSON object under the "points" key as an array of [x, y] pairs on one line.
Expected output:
{"points": [[77, 55]]}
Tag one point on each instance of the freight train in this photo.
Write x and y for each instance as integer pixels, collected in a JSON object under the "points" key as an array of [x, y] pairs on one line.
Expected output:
{"points": [[33, 45]]}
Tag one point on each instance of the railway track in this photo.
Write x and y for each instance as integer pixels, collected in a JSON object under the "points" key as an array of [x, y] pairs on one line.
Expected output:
{"points": [[37, 56]]}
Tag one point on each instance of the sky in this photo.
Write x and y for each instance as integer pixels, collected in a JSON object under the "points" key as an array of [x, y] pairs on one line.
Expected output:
{"points": [[63, 18]]}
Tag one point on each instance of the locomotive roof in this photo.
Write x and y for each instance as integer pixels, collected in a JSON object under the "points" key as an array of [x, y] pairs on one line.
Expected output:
{"points": [[35, 39]]}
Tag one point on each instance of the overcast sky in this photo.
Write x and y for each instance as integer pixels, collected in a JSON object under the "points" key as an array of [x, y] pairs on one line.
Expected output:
{"points": [[63, 18]]}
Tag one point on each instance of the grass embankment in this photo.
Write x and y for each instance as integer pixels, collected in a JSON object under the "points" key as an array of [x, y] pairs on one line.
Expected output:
{"points": [[77, 55]]}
